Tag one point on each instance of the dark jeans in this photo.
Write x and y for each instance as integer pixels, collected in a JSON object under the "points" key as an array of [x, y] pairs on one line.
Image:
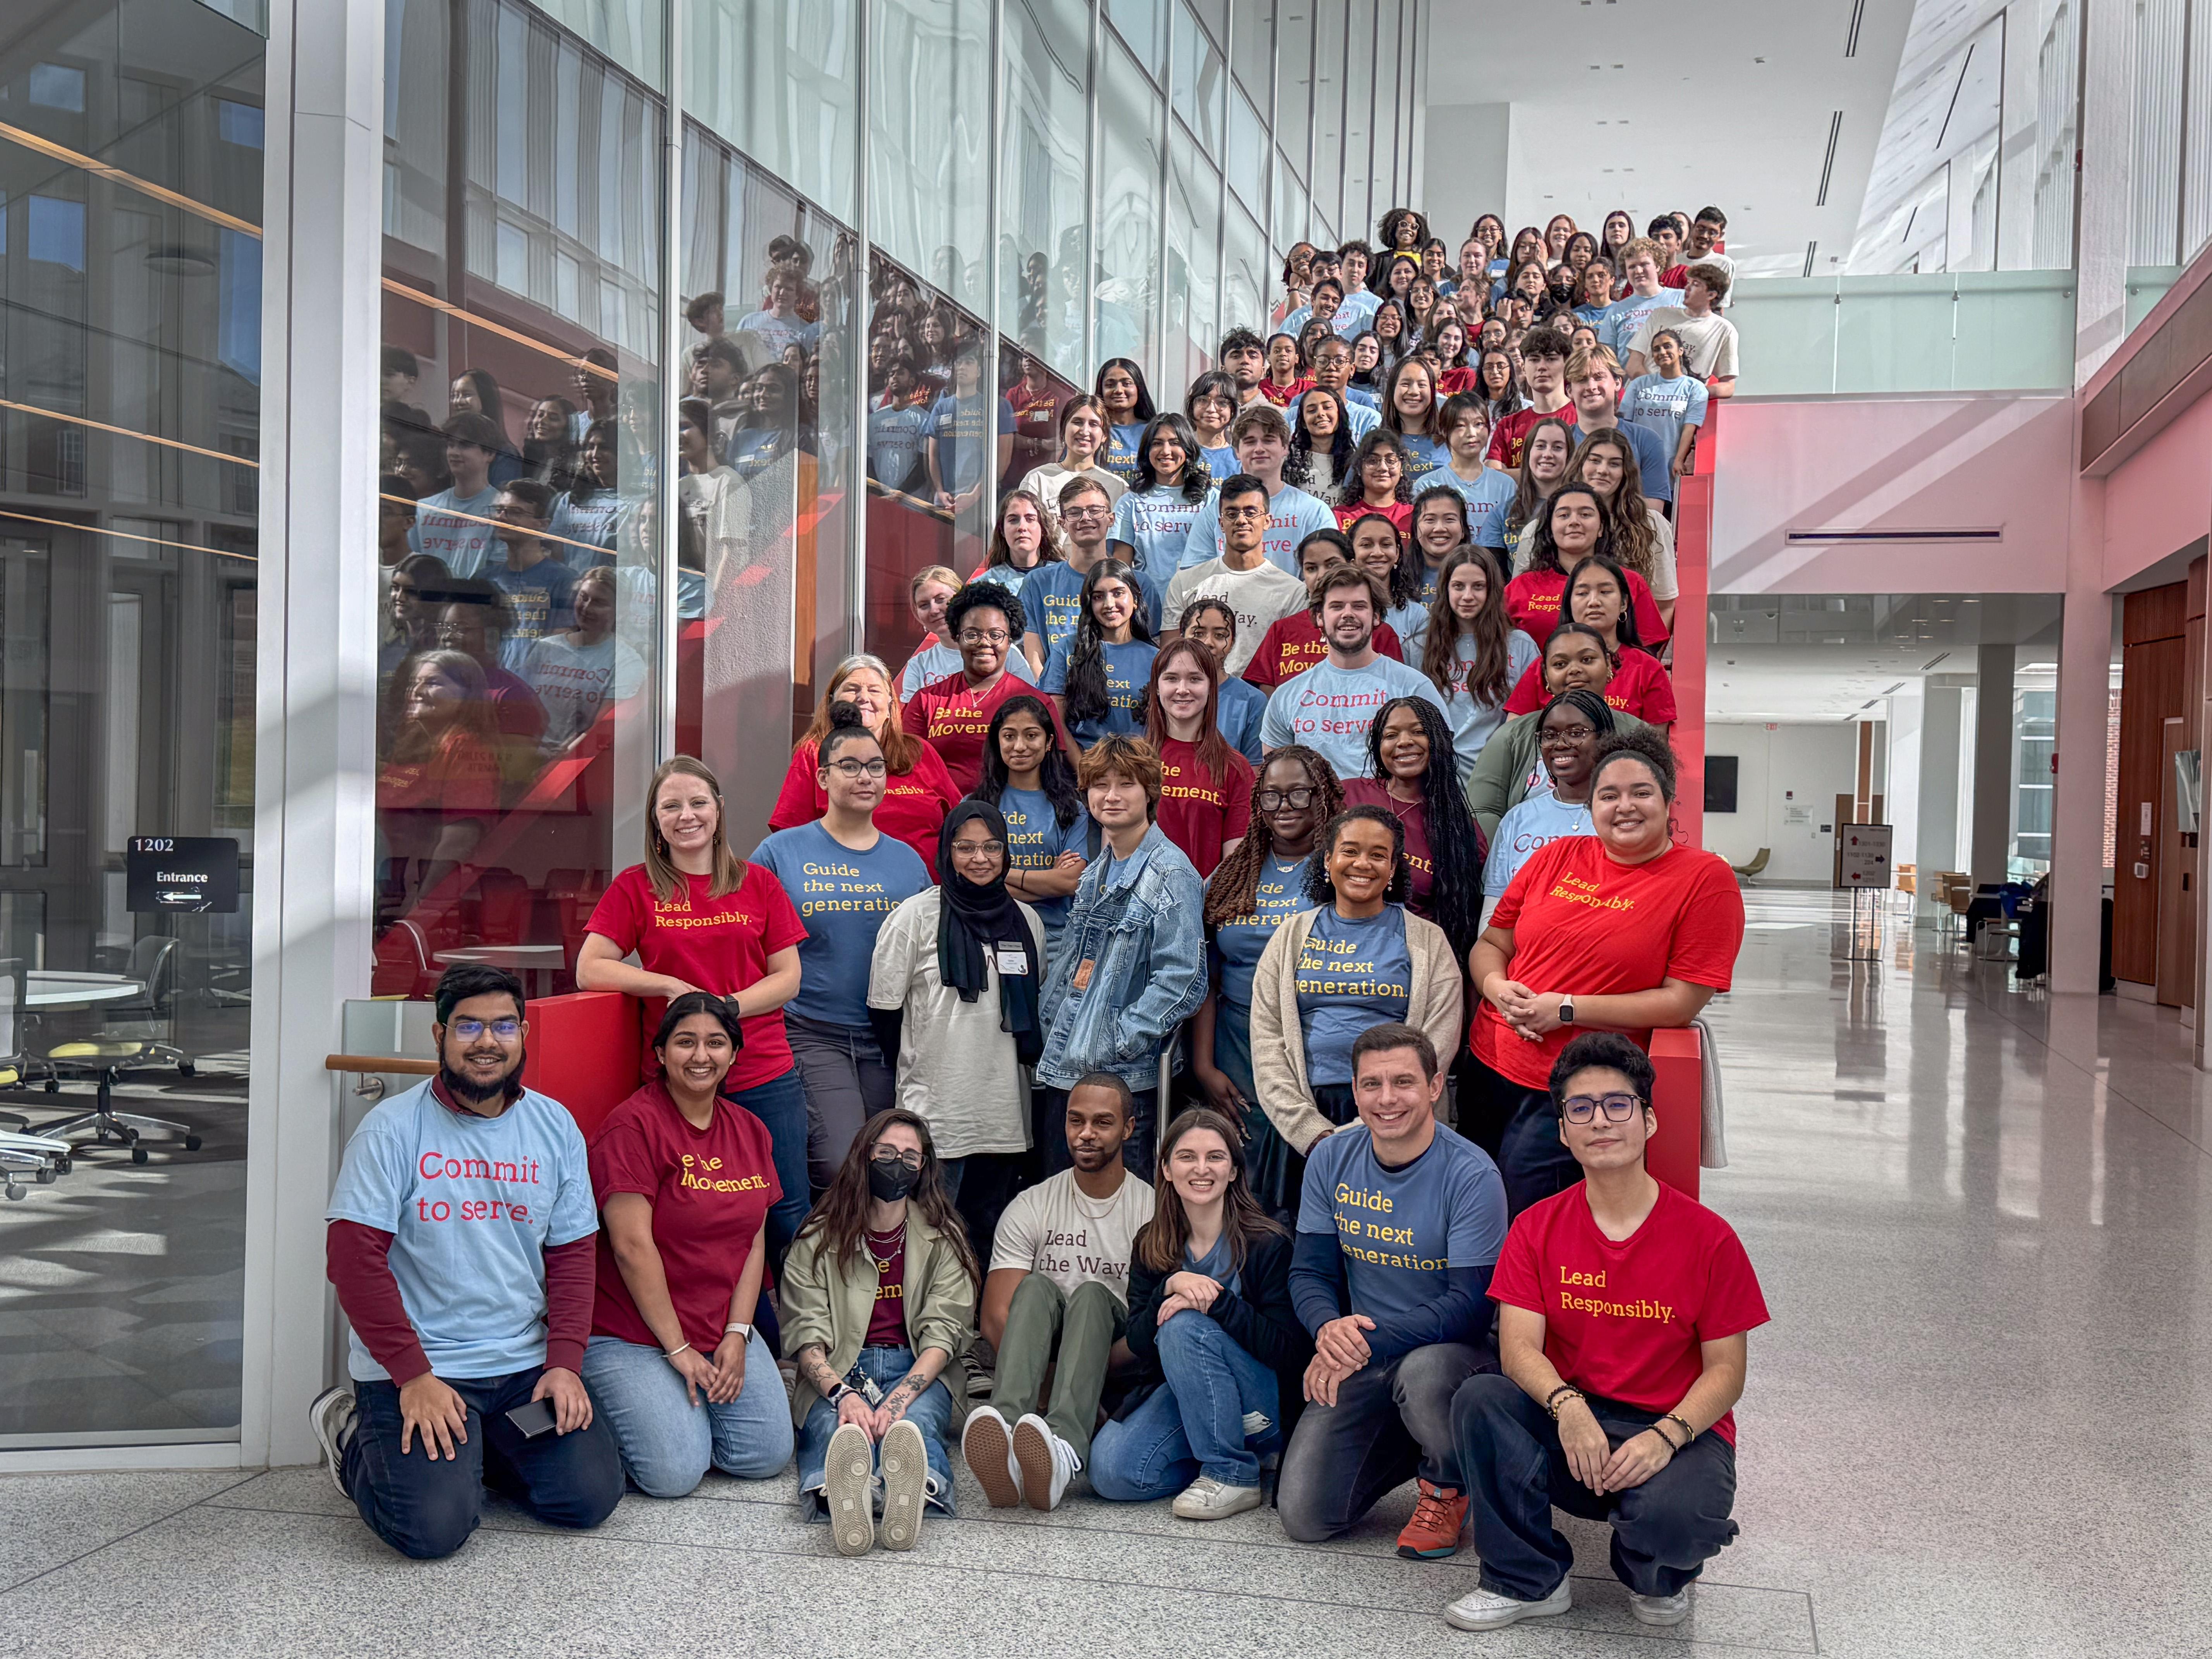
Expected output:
{"points": [[1049, 1132], [1663, 1531], [1534, 1161], [427, 1509], [847, 1083], [981, 1185], [780, 1105], [1391, 1421]]}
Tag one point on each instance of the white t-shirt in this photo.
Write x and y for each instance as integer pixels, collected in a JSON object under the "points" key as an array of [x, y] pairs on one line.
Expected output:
{"points": [[1260, 597], [1047, 482], [1072, 1240], [575, 681], [1329, 709], [1708, 341], [957, 1068]]}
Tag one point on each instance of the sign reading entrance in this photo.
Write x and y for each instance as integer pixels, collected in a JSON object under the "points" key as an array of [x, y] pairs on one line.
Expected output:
{"points": [[182, 873]]}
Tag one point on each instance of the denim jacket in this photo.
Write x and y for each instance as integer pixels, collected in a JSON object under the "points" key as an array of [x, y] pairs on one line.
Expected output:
{"points": [[1146, 943]]}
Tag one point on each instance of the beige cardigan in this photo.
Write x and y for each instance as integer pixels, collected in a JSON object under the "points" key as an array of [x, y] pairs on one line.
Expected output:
{"points": [[1278, 1045]]}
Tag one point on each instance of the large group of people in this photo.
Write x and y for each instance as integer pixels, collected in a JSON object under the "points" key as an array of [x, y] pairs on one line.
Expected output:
{"points": [[1185, 1022]]}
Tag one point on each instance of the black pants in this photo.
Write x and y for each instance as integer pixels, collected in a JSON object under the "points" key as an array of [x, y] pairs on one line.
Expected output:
{"points": [[1050, 1130], [1663, 1531], [1530, 1155]]}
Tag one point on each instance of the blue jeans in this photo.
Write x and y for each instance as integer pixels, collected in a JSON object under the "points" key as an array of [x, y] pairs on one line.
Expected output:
{"points": [[780, 1105], [1194, 1424], [427, 1508], [667, 1441], [931, 1412]]}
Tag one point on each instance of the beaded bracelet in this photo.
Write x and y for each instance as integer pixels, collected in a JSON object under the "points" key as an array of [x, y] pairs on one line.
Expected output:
{"points": [[1688, 1433], [1552, 1400]]}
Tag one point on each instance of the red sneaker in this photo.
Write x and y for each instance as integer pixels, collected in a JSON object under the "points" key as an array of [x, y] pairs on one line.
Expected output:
{"points": [[1439, 1520]]}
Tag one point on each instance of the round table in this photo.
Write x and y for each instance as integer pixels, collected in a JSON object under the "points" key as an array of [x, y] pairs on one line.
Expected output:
{"points": [[56, 991], [535, 963]]}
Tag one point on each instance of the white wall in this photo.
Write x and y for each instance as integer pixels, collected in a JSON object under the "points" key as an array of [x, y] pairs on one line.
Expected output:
{"points": [[1467, 160], [1780, 767]]}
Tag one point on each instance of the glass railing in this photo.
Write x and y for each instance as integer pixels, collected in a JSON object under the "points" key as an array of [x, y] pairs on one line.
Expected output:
{"points": [[2002, 330], [2147, 286]]}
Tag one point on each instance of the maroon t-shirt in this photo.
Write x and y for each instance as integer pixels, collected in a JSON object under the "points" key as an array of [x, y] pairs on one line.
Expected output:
{"points": [[1413, 816], [887, 1323]]}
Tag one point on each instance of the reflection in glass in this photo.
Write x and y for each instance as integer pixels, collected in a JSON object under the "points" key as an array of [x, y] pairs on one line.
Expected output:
{"points": [[1193, 274], [929, 141], [1043, 207], [1129, 211], [1329, 113], [1198, 79]]}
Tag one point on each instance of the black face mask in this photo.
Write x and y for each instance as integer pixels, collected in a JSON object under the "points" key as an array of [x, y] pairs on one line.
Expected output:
{"points": [[891, 1179]]}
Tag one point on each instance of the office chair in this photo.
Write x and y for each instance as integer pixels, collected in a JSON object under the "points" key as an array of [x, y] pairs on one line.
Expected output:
{"points": [[108, 1056]]}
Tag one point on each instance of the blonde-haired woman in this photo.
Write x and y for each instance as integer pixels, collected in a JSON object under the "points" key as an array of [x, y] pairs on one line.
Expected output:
{"points": [[917, 791], [700, 918]]}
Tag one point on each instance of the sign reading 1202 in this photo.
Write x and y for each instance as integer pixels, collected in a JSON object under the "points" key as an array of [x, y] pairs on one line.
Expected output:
{"points": [[181, 872]]}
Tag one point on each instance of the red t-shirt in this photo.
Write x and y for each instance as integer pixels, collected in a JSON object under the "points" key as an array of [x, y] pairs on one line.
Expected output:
{"points": [[1582, 923], [953, 719], [1639, 687], [1510, 435], [1413, 816], [710, 1189], [1196, 813], [1623, 1321], [1400, 514], [1294, 644], [719, 944], [1453, 381], [1283, 396], [887, 1319], [912, 810], [1532, 600]]}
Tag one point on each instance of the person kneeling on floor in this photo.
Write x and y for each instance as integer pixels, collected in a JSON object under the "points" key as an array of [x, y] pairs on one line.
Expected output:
{"points": [[878, 1297], [461, 1241], [1623, 1307], [1058, 1296], [1398, 1225], [1211, 1325]]}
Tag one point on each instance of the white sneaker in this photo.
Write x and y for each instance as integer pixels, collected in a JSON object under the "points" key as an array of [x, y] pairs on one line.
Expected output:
{"points": [[987, 1444], [904, 1458], [848, 1488], [1047, 1462], [1208, 1499], [1661, 1609], [1257, 1424], [331, 1417], [1485, 1609]]}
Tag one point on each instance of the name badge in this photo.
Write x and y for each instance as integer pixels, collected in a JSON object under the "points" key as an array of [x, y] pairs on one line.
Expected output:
{"points": [[1012, 959]]}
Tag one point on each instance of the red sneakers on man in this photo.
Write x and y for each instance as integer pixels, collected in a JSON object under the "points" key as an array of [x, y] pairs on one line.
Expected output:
{"points": [[1439, 1520]]}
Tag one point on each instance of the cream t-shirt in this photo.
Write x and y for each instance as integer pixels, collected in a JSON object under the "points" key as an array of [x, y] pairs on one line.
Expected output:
{"points": [[1072, 1240]]}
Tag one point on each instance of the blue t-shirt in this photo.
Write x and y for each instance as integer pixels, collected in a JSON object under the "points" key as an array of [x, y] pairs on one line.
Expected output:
{"points": [[895, 436], [1423, 457], [1238, 712], [1487, 496], [1129, 674], [1360, 418], [1662, 407], [1351, 975], [843, 897], [964, 448], [1402, 1230], [1051, 594], [1366, 397], [1655, 473], [1292, 515], [465, 544], [752, 450], [1121, 456], [472, 1205], [1035, 840], [1279, 895], [539, 599], [1624, 317], [1155, 525], [1221, 461], [1530, 826]]}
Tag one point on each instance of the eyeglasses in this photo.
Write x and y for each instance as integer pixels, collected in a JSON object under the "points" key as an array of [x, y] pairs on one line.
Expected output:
{"points": [[1242, 512], [1086, 513], [974, 849], [886, 1155], [1618, 1109], [858, 769], [468, 1030], [1564, 736], [1273, 800], [996, 636]]}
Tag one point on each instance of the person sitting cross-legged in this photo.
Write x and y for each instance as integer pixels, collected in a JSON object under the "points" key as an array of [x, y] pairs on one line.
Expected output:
{"points": [[1058, 1295], [1398, 1225], [1623, 1307], [461, 1241]]}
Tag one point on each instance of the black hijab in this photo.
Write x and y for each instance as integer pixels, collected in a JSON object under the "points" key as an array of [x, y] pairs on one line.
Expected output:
{"points": [[974, 921]]}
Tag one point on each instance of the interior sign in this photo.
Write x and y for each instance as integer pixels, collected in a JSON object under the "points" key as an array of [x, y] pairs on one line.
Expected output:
{"points": [[182, 873]]}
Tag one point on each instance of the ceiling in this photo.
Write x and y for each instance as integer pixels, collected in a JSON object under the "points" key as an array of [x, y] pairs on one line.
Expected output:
{"points": [[1658, 104]]}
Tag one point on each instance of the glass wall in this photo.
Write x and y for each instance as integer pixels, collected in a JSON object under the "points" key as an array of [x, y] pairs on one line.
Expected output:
{"points": [[130, 167]]}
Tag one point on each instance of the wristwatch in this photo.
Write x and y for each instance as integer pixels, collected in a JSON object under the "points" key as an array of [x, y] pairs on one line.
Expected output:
{"points": [[1566, 1010], [739, 1328]]}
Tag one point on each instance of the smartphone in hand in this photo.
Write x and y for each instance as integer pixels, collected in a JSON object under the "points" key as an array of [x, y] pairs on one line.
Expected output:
{"points": [[532, 1419]]}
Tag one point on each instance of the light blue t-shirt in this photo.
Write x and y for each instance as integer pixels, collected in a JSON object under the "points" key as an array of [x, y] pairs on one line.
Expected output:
{"points": [[1410, 622], [1292, 515], [1278, 895], [1487, 496], [1359, 418], [538, 600], [932, 663], [1351, 975], [1402, 1231], [1423, 457], [1128, 673], [1155, 525], [466, 544], [965, 448], [1035, 840], [472, 1205], [1625, 317], [1330, 708], [1221, 462], [1365, 398], [1121, 456], [1473, 723], [1663, 407], [585, 520], [1238, 711], [1529, 826], [780, 332], [1052, 595], [844, 897], [895, 436]]}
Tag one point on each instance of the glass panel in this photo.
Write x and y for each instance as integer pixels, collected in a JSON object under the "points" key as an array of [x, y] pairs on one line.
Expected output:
{"points": [[1129, 117], [2162, 30], [1358, 114], [768, 476], [1252, 48], [1200, 84], [1247, 154], [1812, 337], [1329, 108], [626, 31], [1194, 262], [2147, 286], [130, 361], [929, 141], [776, 80], [1244, 278], [1294, 59], [1043, 213], [520, 646], [1143, 24], [1385, 119]]}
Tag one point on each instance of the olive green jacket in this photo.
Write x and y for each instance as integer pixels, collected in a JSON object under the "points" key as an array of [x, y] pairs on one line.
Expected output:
{"points": [[1500, 778], [821, 1304]]}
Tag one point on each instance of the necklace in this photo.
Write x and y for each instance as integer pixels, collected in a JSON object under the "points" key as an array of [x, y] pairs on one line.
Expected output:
{"points": [[872, 1241]]}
